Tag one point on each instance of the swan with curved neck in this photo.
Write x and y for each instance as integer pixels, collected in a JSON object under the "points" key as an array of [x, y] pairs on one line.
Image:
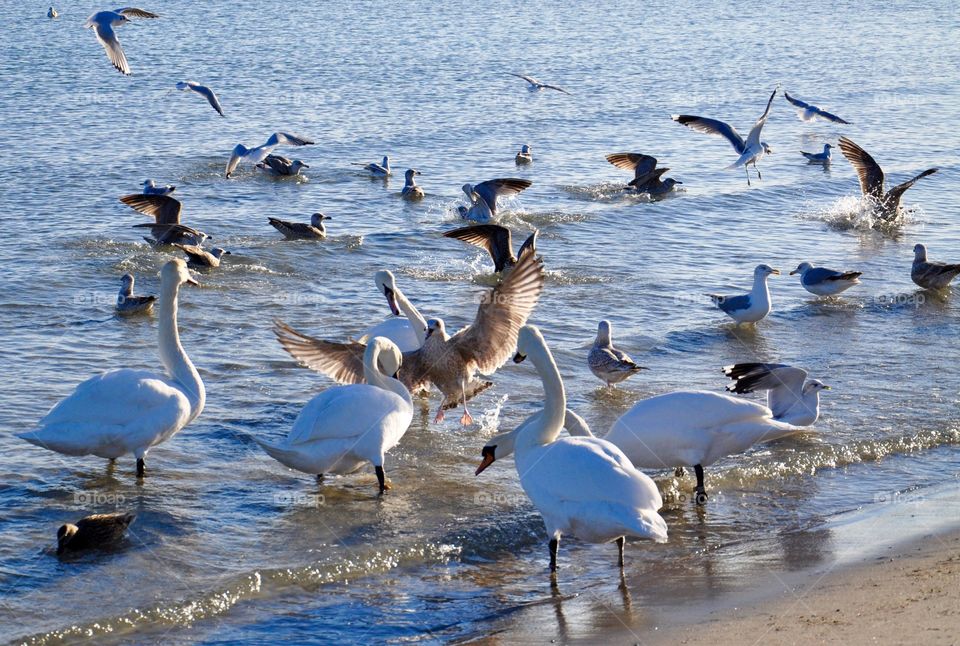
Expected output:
{"points": [[584, 486], [129, 411], [345, 427], [407, 333]]}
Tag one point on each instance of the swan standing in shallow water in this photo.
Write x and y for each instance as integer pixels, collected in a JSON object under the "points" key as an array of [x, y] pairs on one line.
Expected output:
{"points": [[345, 427], [583, 486], [752, 307], [129, 411], [608, 363]]}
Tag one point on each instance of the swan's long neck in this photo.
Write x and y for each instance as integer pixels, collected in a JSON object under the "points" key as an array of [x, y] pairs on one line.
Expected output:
{"points": [[413, 315], [554, 402], [373, 376], [172, 354]]}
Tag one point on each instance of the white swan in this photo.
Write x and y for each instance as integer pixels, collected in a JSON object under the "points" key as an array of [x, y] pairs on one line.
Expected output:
{"points": [[583, 486], [344, 427], [694, 429], [129, 411], [407, 333]]}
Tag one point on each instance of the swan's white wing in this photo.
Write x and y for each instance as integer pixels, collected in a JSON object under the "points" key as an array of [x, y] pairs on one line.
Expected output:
{"points": [[343, 412], [111, 45], [342, 362], [492, 337], [398, 330]]}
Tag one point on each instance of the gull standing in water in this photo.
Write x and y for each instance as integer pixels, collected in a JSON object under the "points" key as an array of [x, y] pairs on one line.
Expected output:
{"points": [[258, 154], [535, 85], [872, 179], [808, 112], [525, 156], [608, 363], [166, 212], [751, 307], [410, 190], [646, 175], [931, 274], [103, 23], [484, 196], [377, 170], [301, 230], [203, 91], [496, 239], [150, 188], [750, 150], [791, 397], [825, 282], [820, 158], [127, 303], [281, 166]]}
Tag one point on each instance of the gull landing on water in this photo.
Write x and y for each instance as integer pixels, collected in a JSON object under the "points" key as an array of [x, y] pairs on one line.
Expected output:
{"points": [[203, 91], [497, 241], [258, 154], [750, 150], [646, 175], [103, 23], [484, 196], [377, 170], [535, 85], [809, 112], [165, 211]]}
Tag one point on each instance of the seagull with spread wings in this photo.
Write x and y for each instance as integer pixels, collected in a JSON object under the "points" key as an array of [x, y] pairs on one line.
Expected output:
{"points": [[165, 211], [751, 149], [103, 23], [258, 154], [497, 240], [535, 85], [872, 178], [791, 397], [449, 362], [204, 91], [484, 196], [809, 112], [646, 175]]}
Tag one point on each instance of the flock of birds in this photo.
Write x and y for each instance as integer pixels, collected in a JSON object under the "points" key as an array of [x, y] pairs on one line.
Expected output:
{"points": [[588, 486]]}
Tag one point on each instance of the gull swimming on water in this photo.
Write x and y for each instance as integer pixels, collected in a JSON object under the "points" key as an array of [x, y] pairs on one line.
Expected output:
{"points": [[301, 230], [931, 274], [809, 112], [97, 531], [200, 258], [535, 85], [820, 158], [750, 150], [524, 156], [608, 363], [127, 303], [646, 175], [103, 23], [52, 13], [751, 307], [825, 282], [484, 196], [281, 166], [258, 154], [791, 397], [166, 212], [410, 190], [377, 170], [203, 91], [872, 179], [150, 188], [496, 239]]}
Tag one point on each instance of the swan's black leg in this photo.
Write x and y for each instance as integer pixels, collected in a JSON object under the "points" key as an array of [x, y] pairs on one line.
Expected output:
{"points": [[381, 478], [620, 542], [701, 490], [141, 467], [319, 478], [554, 547]]}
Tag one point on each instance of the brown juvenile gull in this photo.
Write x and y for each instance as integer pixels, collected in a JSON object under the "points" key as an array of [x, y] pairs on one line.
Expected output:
{"points": [[525, 156], [646, 175], [449, 362], [872, 178], [128, 303], [93, 532], [280, 165], [301, 230], [167, 228], [496, 239], [200, 258], [931, 274], [608, 363]]}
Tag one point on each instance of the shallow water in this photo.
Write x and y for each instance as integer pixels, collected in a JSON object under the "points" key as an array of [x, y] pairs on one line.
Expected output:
{"points": [[230, 546]]}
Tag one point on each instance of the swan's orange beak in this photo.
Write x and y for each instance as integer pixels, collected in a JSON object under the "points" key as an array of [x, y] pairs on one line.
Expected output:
{"points": [[488, 459]]}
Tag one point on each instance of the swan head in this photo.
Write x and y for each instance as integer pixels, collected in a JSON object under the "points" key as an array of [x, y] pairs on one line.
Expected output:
{"points": [[317, 220], [762, 271], [528, 340], [64, 535], [500, 446], [802, 268], [436, 326], [814, 386], [176, 273], [919, 252], [603, 332], [389, 357], [387, 285]]}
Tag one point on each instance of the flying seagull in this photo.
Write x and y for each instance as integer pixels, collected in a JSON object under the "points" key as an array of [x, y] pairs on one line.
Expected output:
{"points": [[535, 85], [258, 154], [103, 23], [750, 150], [809, 112], [203, 91], [871, 179]]}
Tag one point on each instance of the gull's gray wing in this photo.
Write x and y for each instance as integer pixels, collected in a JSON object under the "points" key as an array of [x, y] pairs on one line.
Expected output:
{"points": [[732, 303], [712, 127], [803, 105], [753, 139], [640, 164], [133, 12], [211, 98], [784, 383], [868, 170], [163, 208], [279, 138], [492, 189], [111, 45], [342, 362], [893, 196]]}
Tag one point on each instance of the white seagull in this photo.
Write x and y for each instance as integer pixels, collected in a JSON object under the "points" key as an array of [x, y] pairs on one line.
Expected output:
{"points": [[150, 188], [103, 23], [752, 307], [791, 397], [203, 91], [750, 150], [258, 154], [821, 157], [535, 85], [825, 282], [484, 196], [809, 112], [377, 170]]}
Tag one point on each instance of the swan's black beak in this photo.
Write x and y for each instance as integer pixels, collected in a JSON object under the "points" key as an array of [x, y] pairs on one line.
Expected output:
{"points": [[519, 357], [391, 300], [192, 281], [488, 458]]}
